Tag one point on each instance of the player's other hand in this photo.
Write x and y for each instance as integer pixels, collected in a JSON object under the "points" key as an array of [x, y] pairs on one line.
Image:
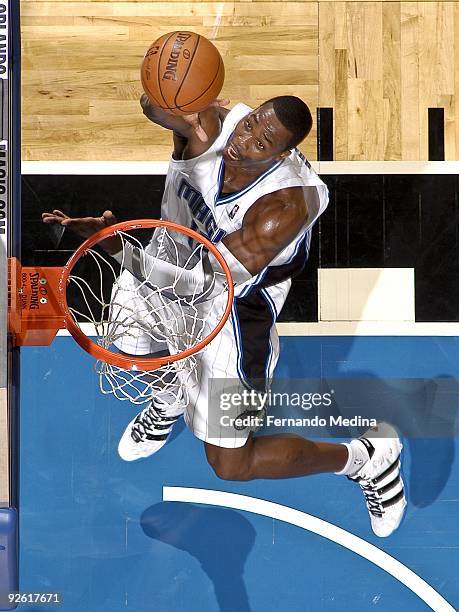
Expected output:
{"points": [[83, 226], [195, 121], [154, 112]]}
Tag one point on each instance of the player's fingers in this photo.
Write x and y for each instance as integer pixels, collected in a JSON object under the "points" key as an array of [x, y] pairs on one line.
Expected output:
{"points": [[53, 217], [59, 213], [48, 218], [78, 221], [56, 215]]}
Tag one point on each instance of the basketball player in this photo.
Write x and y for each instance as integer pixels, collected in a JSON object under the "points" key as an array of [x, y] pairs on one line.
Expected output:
{"points": [[237, 178]]}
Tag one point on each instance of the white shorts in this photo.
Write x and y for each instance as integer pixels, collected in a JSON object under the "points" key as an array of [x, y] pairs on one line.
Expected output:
{"points": [[242, 356]]}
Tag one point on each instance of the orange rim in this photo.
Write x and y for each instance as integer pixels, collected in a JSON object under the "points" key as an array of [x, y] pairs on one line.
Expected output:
{"points": [[134, 362]]}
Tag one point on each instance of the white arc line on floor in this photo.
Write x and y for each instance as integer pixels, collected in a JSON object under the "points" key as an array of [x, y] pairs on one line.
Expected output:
{"points": [[311, 523]]}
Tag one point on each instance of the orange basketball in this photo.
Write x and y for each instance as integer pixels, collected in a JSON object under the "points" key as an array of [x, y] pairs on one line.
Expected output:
{"points": [[182, 72]]}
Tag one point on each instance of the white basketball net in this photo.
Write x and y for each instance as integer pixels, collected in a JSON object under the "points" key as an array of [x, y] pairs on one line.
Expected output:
{"points": [[137, 317]]}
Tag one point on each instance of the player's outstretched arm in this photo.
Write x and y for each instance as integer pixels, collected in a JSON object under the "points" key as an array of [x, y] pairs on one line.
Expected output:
{"points": [[268, 227], [85, 226], [194, 281]]}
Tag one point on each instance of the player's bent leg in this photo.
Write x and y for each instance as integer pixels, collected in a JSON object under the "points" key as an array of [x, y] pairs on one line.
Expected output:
{"points": [[149, 430]]}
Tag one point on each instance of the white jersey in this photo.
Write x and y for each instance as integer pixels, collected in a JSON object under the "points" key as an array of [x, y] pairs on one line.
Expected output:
{"points": [[246, 350], [193, 198]]}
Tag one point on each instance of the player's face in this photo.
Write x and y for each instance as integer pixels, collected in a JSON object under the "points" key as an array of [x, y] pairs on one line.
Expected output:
{"points": [[259, 137]]}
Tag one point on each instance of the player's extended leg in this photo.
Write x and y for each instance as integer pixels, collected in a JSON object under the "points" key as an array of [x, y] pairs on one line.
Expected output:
{"points": [[373, 462], [281, 456]]}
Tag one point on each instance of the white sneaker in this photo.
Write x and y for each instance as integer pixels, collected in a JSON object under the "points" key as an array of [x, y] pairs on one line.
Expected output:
{"points": [[147, 432], [380, 479]]}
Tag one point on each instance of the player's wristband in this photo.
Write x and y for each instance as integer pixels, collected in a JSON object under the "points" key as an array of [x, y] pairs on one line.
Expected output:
{"points": [[204, 281], [146, 267]]}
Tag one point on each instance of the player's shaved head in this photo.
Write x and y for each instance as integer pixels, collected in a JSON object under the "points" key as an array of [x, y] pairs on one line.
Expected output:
{"points": [[294, 115]]}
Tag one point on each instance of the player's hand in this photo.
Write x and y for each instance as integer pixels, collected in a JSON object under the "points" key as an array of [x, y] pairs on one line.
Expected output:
{"points": [[83, 226], [195, 121], [87, 226], [177, 123]]}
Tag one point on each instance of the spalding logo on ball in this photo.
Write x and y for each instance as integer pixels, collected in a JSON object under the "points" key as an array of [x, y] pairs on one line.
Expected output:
{"points": [[182, 72]]}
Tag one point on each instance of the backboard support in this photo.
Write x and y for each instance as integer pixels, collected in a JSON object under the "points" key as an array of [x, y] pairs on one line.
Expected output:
{"points": [[4, 118], [10, 230]]}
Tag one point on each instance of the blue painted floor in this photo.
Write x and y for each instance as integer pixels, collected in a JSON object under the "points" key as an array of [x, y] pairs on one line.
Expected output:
{"points": [[96, 530]]}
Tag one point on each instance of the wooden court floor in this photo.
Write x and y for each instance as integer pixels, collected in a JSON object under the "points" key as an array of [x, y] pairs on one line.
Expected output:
{"points": [[379, 65]]}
